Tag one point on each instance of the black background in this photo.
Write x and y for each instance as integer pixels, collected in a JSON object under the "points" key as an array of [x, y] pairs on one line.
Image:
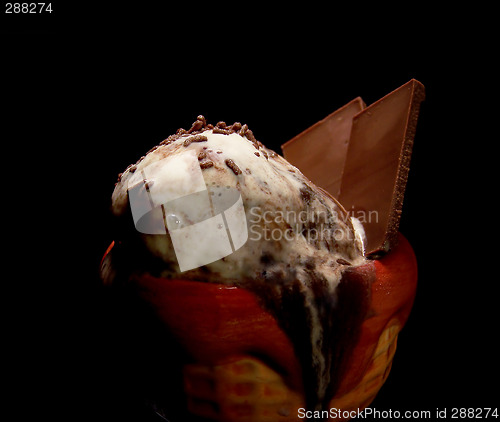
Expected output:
{"points": [[81, 105]]}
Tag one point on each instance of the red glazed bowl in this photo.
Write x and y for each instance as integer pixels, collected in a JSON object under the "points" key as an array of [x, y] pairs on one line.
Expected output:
{"points": [[239, 365]]}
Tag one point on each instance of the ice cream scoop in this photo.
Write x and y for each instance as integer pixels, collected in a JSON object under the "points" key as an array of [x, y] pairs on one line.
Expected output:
{"points": [[199, 174]]}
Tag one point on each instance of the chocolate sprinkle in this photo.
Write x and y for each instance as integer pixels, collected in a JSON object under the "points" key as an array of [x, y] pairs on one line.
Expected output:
{"points": [[206, 164], [222, 131], [196, 138], [243, 130], [200, 126], [342, 261], [232, 165]]}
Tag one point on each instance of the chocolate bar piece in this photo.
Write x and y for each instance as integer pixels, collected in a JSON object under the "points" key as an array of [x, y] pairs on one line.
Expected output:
{"points": [[368, 173], [377, 164], [320, 151]]}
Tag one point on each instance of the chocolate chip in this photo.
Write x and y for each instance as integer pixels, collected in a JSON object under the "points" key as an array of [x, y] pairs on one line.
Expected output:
{"points": [[170, 139]]}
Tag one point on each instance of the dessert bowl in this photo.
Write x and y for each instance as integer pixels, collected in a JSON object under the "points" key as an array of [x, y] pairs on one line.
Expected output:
{"points": [[240, 365]]}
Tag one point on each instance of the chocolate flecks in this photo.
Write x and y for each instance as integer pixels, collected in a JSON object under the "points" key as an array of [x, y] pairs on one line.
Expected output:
{"points": [[342, 261], [222, 131], [201, 125], [307, 194], [196, 138], [310, 264], [198, 124], [257, 154], [264, 153], [202, 119], [133, 168], [232, 165], [266, 259], [250, 136], [202, 155], [206, 164], [243, 130]]}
